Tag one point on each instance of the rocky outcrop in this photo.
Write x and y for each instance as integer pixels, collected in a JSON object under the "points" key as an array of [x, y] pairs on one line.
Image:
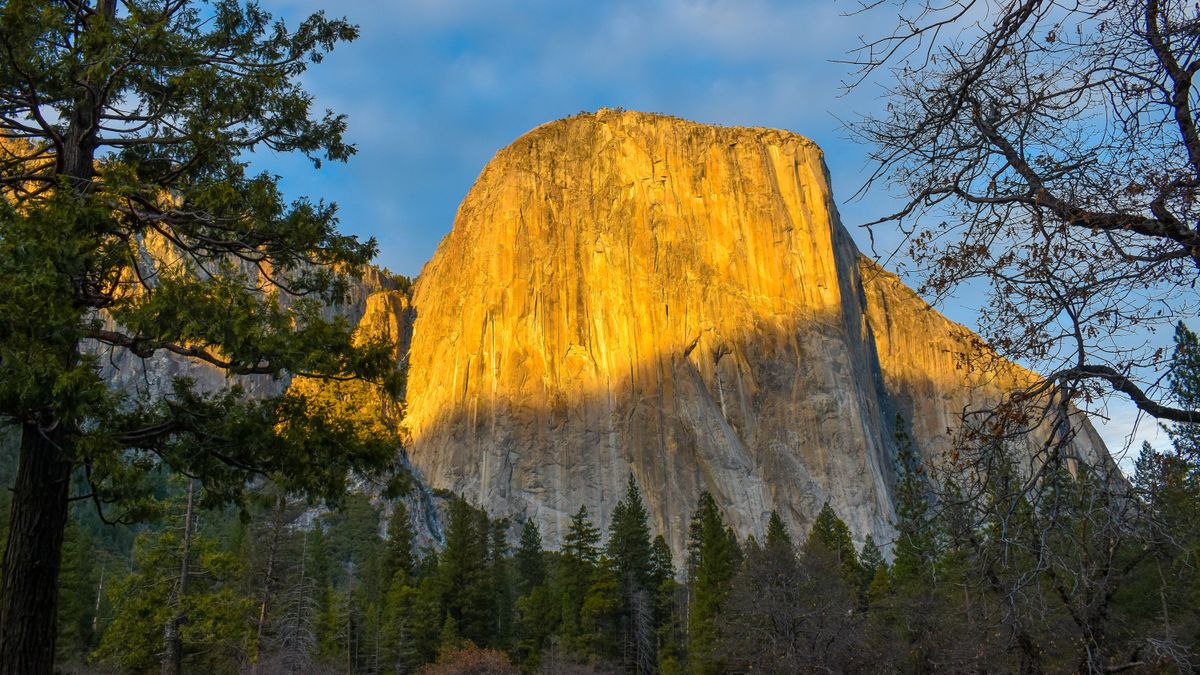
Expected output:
{"points": [[152, 376], [630, 293]]}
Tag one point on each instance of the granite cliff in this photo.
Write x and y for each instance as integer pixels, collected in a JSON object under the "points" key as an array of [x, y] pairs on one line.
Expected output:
{"points": [[632, 293]]}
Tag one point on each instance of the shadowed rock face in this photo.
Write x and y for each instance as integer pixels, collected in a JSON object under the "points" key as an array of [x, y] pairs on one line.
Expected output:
{"points": [[630, 293], [624, 292]]}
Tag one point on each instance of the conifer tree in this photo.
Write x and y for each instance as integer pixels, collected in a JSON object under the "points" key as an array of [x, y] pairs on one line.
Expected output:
{"points": [[463, 573], [662, 564], [449, 639], [871, 565], [713, 558], [578, 567], [668, 631], [428, 617], [539, 618], [530, 560], [582, 542], [1184, 384], [220, 620], [916, 544], [501, 586], [777, 534], [629, 539], [126, 194], [400, 645], [78, 587], [399, 557], [601, 633], [318, 565], [629, 550], [831, 534]]}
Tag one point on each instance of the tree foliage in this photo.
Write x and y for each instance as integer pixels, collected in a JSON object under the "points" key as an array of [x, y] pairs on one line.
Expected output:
{"points": [[131, 228]]}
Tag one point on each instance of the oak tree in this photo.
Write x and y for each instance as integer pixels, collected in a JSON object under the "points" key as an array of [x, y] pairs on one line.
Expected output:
{"points": [[1048, 152]]}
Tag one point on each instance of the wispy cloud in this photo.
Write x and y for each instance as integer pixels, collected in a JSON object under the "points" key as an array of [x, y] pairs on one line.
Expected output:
{"points": [[434, 87]]}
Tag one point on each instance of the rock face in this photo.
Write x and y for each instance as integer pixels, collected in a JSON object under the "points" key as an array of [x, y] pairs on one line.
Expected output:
{"points": [[629, 293], [373, 304]]}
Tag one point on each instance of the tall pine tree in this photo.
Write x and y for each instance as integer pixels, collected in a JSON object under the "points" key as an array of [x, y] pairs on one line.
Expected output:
{"points": [[831, 535], [915, 551], [399, 558], [713, 558], [530, 559], [463, 573], [629, 551], [777, 534], [128, 196], [577, 569]]}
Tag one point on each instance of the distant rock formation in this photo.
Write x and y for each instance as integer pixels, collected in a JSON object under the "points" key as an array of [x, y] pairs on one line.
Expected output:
{"points": [[631, 293], [625, 292]]}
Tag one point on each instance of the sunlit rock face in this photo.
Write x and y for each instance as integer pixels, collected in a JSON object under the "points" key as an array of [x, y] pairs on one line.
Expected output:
{"points": [[372, 304], [631, 293]]}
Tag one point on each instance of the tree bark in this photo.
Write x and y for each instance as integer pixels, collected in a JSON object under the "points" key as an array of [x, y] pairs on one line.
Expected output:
{"points": [[33, 554], [172, 660], [277, 518]]}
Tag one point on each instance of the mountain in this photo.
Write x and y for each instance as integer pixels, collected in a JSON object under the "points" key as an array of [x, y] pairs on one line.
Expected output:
{"points": [[633, 293]]}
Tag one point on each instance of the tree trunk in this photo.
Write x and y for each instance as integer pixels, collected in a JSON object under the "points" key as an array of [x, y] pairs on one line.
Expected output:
{"points": [[277, 524], [172, 660], [33, 555]]}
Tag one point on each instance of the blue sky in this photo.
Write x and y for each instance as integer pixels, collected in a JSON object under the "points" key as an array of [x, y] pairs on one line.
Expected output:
{"points": [[433, 88]]}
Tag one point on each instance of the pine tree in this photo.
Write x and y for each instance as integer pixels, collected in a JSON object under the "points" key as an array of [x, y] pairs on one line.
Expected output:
{"points": [[915, 550], [600, 615], [629, 539], [777, 534], [77, 589], [501, 586], [135, 120], [539, 618], [582, 542], [463, 573], [220, 621], [577, 569], [667, 629], [713, 558], [662, 565], [1164, 597], [832, 535], [872, 566], [399, 557], [629, 551], [318, 565], [449, 639], [1184, 383], [530, 559], [428, 617], [400, 650]]}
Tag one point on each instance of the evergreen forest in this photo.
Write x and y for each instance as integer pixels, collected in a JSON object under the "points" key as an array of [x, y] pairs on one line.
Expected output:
{"points": [[1046, 580]]}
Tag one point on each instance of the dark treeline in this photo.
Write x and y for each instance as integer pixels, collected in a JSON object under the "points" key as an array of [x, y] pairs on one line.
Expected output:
{"points": [[988, 574]]}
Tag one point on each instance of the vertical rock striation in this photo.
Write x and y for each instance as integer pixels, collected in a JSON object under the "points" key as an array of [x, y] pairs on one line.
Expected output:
{"points": [[625, 292], [631, 293]]}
